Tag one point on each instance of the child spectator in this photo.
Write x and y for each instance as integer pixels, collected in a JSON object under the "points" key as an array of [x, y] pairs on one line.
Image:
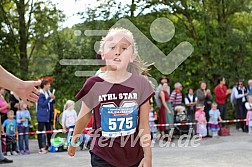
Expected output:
{"points": [[200, 117], [214, 114], [86, 136], [69, 118], [4, 106], [248, 106], [23, 118], [11, 133], [152, 118]]}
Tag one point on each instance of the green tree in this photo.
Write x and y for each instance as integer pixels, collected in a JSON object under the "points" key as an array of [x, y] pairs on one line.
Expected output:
{"points": [[27, 24]]}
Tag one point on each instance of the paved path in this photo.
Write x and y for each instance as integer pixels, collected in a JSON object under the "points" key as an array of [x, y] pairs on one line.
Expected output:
{"points": [[230, 151]]}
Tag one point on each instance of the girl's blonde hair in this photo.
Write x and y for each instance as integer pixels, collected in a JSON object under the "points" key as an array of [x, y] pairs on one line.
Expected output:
{"points": [[68, 103], [20, 104], [137, 66]]}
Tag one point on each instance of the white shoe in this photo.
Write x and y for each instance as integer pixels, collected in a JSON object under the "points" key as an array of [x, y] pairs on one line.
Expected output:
{"points": [[14, 153], [8, 153]]}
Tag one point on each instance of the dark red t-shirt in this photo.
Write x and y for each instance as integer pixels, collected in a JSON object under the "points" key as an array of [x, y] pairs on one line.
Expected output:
{"points": [[116, 117]]}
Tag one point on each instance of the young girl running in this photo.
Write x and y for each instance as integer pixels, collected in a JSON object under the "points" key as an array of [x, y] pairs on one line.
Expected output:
{"points": [[120, 102]]}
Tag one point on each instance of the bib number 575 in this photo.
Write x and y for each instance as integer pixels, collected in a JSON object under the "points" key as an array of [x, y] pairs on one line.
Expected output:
{"points": [[115, 122]]}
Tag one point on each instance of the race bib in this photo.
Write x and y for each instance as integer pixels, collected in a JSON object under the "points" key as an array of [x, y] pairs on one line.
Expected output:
{"points": [[118, 121]]}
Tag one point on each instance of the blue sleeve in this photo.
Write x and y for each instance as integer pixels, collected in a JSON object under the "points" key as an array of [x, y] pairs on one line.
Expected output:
{"points": [[15, 124], [18, 117], [5, 123], [42, 101]]}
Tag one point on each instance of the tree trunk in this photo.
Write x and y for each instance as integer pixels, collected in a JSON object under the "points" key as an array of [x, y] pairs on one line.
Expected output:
{"points": [[132, 8], [24, 61]]}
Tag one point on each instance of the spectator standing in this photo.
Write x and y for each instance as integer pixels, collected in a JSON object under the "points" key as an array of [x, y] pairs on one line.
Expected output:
{"points": [[222, 93], [240, 112], [162, 80], [176, 96]]}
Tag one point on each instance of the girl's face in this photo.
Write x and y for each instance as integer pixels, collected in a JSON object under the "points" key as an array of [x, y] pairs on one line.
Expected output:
{"points": [[250, 99], [70, 107], [214, 107], [23, 107], [118, 51]]}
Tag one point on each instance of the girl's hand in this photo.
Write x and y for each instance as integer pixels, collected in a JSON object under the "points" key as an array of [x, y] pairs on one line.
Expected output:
{"points": [[23, 120], [64, 130], [71, 150], [146, 162]]}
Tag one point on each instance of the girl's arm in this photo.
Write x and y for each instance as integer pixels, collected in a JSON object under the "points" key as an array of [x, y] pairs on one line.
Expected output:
{"points": [[220, 118], [144, 132], [162, 96], [18, 119], [81, 123], [63, 121]]}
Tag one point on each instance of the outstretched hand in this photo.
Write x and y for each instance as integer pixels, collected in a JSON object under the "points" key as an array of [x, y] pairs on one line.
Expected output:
{"points": [[27, 91]]}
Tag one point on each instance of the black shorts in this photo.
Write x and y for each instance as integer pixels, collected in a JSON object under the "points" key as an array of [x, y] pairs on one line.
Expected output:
{"points": [[96, 161]]}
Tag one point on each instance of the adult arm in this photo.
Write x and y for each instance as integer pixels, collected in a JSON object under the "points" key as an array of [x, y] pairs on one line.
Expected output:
{"points": [[200, 94], [24, 89]]}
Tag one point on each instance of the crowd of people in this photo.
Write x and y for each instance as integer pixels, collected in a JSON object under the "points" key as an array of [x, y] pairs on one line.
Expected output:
{"points": [[201, 108], [16, 118], [116, 102]]}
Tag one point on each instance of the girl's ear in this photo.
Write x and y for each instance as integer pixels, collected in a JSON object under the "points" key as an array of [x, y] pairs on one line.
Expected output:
{"points": [[133, 57], [102, 56]]}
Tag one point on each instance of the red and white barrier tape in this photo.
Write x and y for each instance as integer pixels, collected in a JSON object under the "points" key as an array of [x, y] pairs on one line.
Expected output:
{"points": [[193, 123], [175, 124], [49, 131]]}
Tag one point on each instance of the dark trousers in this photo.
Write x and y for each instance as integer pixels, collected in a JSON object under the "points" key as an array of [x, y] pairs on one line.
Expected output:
{"points": [[99, 162], [11, 143], [223, 112], [191, 118], [23, 138], [206, 110], [240, 113], [41, 126]]}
